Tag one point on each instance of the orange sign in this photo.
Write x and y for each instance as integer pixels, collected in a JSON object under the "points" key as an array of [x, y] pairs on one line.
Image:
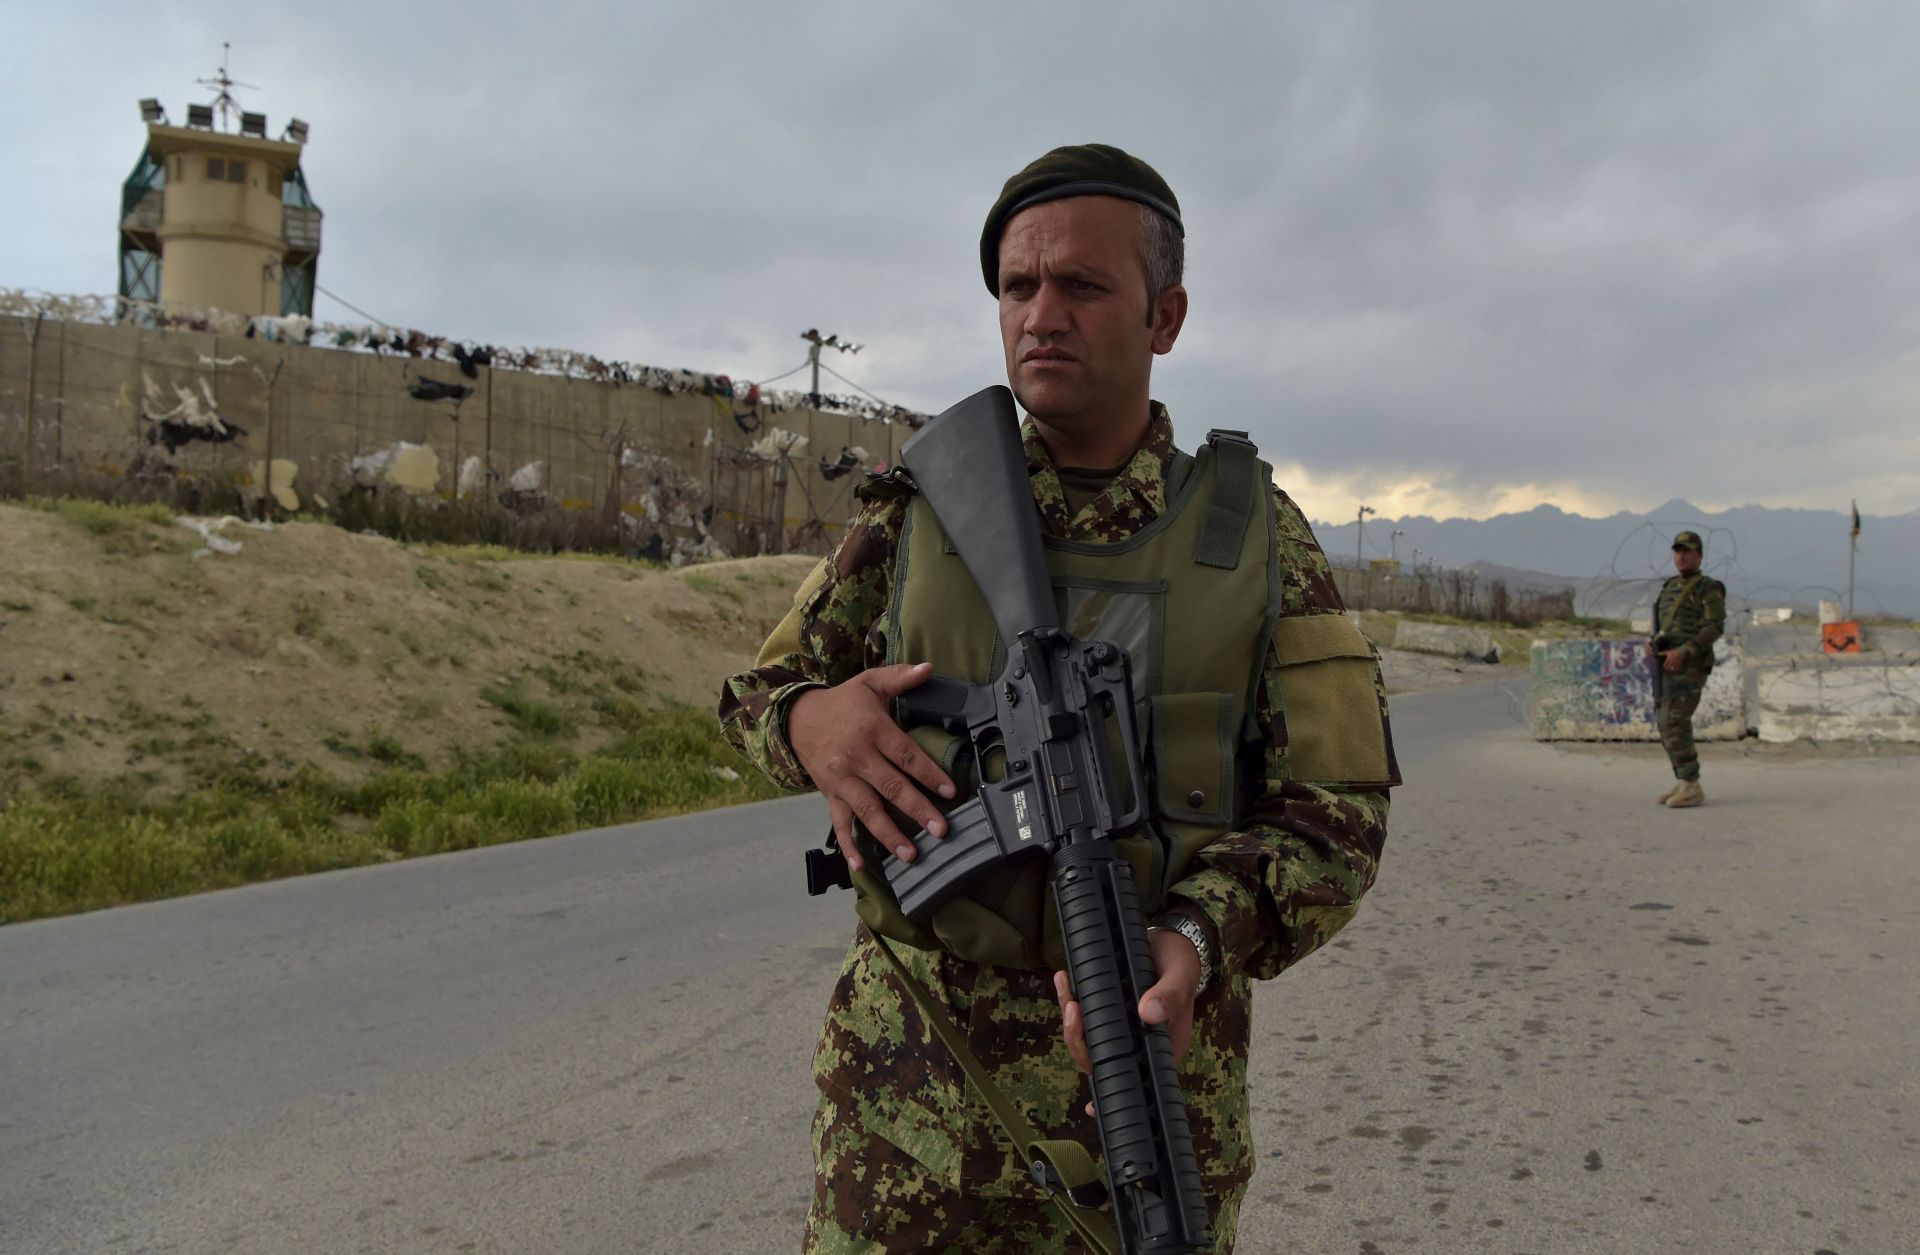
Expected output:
{"points": [[1840, 638]]}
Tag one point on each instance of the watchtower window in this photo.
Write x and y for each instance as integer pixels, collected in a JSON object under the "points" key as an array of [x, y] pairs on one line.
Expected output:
{"points": [[236, 171], [216, 169]]}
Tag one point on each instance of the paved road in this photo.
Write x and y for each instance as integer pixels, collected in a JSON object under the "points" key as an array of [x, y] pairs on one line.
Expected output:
{"points": [[1565, 1021]]}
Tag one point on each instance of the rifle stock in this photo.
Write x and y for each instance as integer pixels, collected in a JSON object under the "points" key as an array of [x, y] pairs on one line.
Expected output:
{"points": [[971, 468]]}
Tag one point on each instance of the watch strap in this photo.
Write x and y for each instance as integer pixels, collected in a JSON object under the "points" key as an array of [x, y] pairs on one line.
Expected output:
{"points": [[1196, 933]]}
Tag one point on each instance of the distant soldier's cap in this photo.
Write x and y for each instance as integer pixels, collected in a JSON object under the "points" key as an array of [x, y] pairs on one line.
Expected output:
{"points": [[1075, 170], [1689, 540]]}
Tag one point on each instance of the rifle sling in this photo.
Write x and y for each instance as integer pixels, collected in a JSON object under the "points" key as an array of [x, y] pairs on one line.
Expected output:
{"points": [[1680, 599], [1059, 1164]]}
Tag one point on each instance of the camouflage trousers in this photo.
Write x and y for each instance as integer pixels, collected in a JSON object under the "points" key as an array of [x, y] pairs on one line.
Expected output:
{"points": [[1679, 698], [907, 1157], [872, 1198]]}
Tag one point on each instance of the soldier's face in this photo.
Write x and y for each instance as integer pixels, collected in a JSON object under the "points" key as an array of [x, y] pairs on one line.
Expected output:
{"points": [[1073, 310], [1686, 561]]}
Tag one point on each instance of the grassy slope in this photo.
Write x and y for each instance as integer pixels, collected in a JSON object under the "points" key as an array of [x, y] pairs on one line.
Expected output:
{"points": [[320, 699]]}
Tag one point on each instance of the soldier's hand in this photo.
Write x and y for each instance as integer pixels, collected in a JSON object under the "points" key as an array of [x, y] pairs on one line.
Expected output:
{"points": [[856, 755], [1672, 659], [1169, 1002]]}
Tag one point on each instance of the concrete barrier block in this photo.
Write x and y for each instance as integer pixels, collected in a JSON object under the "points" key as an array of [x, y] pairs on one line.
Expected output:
{"points": [[1443, 638], [1602, 690], [1838, 698]]}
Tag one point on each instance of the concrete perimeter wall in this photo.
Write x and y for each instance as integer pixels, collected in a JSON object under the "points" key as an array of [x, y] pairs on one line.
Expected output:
{"points": [[80, 397], [1602, 690]]}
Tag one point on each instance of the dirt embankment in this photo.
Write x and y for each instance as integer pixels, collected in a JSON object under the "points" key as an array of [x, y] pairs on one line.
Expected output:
{"points": [[124, 654], [130, 650]]}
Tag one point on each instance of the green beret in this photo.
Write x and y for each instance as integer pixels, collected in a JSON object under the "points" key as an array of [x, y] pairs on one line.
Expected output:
{"points": [[1076, 170]]}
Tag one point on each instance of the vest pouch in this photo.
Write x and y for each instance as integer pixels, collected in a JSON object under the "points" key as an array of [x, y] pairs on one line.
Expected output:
{"points": [[1327, 677], [1192, 745]]}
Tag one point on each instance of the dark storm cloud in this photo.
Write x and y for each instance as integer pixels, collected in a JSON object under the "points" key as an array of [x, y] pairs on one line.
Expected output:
{"points": [[1633, 251]]}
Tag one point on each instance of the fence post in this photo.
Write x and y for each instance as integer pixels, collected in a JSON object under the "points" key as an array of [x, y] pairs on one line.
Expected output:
{"points": [[33, 363]]}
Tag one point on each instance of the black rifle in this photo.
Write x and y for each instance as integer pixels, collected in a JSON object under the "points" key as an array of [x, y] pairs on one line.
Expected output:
{"points": [[1043, 725]]}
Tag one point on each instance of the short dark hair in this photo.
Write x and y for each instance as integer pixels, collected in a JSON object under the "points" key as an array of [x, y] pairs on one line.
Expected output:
{"points": [[1163, 254]]}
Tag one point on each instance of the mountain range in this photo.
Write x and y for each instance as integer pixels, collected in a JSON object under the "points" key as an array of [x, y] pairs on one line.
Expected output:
{"points": [[1765, 556]]}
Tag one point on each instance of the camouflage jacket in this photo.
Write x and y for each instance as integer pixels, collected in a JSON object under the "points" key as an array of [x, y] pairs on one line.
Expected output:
{"points": [[1697, 619], [1273, 891]]}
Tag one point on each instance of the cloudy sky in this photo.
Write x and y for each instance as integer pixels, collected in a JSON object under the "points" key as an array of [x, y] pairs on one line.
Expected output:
{"points": [[1444, 258]]}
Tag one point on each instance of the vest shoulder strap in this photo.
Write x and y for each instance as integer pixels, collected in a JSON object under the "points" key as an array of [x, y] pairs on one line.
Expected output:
{"points": [[1236, 465]]}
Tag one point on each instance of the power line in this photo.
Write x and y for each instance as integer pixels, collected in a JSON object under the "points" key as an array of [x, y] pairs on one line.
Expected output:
{"points": [[761, 383], [856, 387], [350, 305]]}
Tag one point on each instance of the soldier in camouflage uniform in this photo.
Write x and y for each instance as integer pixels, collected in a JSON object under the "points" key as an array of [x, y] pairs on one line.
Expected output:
{"points": [[907, 1156], [1688, 616]]}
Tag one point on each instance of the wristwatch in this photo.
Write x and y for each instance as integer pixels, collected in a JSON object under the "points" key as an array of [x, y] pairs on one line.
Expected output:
{"points": [[1190, 928]]}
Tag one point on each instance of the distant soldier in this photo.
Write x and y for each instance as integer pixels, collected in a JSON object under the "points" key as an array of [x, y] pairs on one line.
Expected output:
{"points": [[1688, 617]]}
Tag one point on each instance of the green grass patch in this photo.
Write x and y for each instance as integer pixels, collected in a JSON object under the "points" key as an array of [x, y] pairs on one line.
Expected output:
{"points": [[490, 579], [382, 748], [75, 846], [712, 586], [584, 670], [100, 518], [502, 553], [530, 715]]}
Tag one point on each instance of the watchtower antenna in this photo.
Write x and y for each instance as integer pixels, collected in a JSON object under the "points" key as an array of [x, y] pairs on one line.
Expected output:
{"points": [[224, 100]]}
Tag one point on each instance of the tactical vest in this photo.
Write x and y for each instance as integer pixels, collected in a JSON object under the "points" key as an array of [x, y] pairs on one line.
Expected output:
{"points": [[1680, 613], [1192, 597]]}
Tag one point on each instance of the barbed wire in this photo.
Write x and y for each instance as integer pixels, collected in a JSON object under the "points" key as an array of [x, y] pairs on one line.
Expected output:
{"points": [[467, 355]]}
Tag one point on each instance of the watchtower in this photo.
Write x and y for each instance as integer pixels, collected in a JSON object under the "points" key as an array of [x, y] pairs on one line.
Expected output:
{"points": [[218, 217]]}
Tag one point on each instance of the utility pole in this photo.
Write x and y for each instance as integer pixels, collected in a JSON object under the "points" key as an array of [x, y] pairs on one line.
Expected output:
{"points": [[1393, 544], [1853, 547], [1360, 536], [816, 342]]}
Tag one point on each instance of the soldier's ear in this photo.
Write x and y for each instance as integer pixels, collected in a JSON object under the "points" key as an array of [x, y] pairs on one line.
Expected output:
{"points": [[1169, 315]]}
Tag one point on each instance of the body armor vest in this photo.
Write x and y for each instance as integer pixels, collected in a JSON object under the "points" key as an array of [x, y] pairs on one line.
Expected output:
{"points": [[1192, 597]]}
